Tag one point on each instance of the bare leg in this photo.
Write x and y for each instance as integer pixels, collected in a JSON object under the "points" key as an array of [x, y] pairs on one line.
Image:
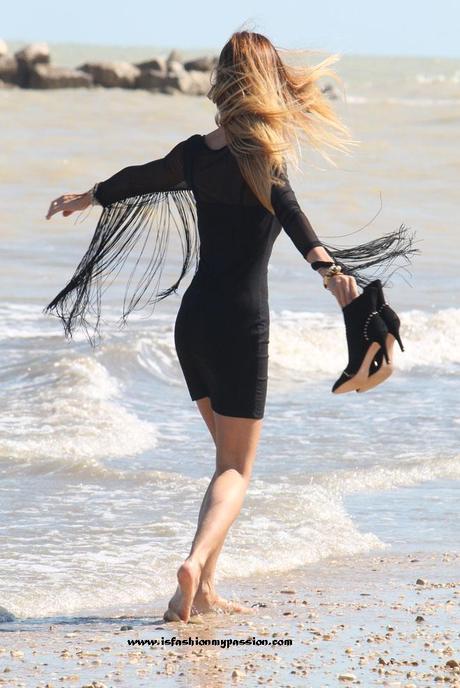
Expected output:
{"points": [[236, 444], [206, 587], [208, 571]]}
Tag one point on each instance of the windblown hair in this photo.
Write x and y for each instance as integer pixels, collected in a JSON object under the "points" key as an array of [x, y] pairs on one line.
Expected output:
{"points": [[267, 107]]}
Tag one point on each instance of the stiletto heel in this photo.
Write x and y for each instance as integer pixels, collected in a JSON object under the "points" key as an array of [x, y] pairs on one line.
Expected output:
{"points": [[391, 318], [366, 334], [398, 339]]}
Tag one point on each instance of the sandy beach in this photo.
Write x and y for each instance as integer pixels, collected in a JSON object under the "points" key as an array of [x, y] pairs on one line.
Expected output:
{"points": [[391, 620]]}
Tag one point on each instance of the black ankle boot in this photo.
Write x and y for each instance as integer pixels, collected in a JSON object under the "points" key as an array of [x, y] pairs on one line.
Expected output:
{"points": [[391, 320], [366, 333], [393, 323]]}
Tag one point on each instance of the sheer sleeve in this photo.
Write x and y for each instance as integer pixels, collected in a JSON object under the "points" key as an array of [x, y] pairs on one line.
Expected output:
{"points": [[163, 174], [354, 260], [143, 207], [293, 220]]}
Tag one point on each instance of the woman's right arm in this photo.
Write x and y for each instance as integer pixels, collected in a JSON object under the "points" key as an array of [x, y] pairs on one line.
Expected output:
{"points": [[158, 175]]}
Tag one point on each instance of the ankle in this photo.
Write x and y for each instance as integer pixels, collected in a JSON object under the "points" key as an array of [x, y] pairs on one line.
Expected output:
{"points": [[206, 588], [193, 565]]}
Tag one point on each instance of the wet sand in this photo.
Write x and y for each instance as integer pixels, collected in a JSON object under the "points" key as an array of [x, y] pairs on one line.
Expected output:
{"points": [[374, 620]]}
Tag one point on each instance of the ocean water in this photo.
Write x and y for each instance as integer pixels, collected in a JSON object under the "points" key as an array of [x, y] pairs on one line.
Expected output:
{"points": [[103, 457]]}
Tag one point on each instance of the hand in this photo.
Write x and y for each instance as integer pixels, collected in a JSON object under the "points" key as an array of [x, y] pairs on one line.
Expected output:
{"points": [[69, 203], [344, 288]]}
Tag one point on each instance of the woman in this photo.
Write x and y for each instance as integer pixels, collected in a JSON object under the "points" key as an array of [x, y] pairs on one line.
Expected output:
{"points": [[236, 178]]}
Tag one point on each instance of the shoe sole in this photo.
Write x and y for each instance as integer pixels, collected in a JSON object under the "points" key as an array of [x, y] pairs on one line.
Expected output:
{"points": [[360, 379], [385, 370]]}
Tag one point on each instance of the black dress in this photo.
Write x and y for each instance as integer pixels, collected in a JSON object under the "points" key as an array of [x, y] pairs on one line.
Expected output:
{"points": [[222, 326]]}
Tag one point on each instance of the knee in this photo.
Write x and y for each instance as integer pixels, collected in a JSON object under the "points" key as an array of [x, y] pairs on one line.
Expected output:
{"points": [[239, 469]]}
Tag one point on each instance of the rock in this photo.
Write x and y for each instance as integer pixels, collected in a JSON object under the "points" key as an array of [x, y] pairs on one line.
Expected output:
{"points": [[452, 663], [3, 48], [346, 677], [420, 581], [189, 83], [9, 69], [6, 616], [237, 673], [194, 83], [154, 80], [32, 54], [156, 63], [419, 618], [175, 68], [126, 628], [201, 64], [112, 74], [175, 56], [49, 76]]}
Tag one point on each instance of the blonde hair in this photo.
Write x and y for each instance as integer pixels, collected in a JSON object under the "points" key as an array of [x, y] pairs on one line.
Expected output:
{"points": [[266, 105]]}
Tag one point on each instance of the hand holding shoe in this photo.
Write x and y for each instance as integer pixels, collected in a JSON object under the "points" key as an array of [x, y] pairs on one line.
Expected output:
{"points": [[343, 287], [371, 326]]}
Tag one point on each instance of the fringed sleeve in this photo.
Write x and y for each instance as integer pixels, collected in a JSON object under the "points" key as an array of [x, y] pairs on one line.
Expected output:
{"points": [[142, 206], [382, 252]]}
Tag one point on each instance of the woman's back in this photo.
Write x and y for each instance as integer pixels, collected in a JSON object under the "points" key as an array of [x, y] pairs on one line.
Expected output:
{"points": [[235, 231]]}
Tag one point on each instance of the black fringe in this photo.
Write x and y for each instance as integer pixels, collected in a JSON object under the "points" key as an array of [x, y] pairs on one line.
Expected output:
{"points": [[382, 252], [123, 227]]}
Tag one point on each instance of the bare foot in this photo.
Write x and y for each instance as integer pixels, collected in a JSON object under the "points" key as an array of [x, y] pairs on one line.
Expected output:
{"points": [[180, 604], [209, 602]]}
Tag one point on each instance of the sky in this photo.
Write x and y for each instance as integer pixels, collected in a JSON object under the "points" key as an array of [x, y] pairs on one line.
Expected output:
{"points": [[388, 27]]}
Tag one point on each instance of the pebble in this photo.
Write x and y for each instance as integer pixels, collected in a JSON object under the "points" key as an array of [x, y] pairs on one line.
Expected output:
{"points": [[346, 677], [237, 673]]}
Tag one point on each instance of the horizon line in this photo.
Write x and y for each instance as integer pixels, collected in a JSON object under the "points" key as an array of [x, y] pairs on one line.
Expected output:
{"points": [[166, 48]]}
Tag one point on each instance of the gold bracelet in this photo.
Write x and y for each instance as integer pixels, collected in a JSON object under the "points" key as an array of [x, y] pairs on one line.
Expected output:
{"points": [[330, 272]]}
